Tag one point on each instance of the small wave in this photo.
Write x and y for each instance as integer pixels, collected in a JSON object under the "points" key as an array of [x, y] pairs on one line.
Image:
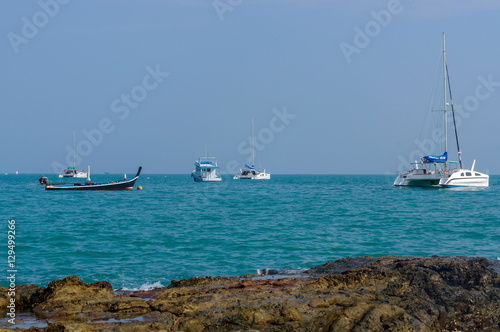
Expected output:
{"points": [[144, 287], [124, 320], [285, 272]]}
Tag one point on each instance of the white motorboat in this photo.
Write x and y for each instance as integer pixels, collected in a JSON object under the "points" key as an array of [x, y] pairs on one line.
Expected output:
{"points": [[249, 172], [438, 171], [206, 170]]}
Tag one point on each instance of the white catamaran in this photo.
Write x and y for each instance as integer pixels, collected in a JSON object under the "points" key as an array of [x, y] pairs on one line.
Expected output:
{"points": [[249, 172], [436, 171], [72, 172]]}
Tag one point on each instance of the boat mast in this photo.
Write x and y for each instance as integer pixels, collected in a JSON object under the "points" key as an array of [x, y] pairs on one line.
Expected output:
{"points": [[454, 121], [445, 115], [74, 150], [253, 146]]}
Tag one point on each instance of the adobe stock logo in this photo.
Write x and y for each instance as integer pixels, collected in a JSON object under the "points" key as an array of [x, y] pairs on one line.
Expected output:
{"points": [[223, 6], [372, 28], [30, 28], [485, 88], [266, 135], [121, 107]]}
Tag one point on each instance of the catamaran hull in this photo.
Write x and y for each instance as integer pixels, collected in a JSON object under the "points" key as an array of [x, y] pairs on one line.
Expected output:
{"points": [[268, 177], [476, 184], [79, 175], [250, 176], [456, 181], [417, 181]]}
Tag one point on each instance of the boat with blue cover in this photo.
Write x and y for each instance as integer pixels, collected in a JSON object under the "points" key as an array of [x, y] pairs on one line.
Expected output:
{"points": [[206, 170]]}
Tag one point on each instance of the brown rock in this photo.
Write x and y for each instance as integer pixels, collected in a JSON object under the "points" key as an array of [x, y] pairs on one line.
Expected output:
{"points": [[4, 298], [354, 294], [71, 296]]}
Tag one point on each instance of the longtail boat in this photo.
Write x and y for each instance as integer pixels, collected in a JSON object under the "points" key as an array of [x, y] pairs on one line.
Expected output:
{"points": [[113, 185]]}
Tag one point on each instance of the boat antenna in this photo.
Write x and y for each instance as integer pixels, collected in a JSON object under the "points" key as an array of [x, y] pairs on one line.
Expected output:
{"points": [[454, 122]]}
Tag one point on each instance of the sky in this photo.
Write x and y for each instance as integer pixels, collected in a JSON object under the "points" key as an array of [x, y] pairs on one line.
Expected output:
{"points": [[333, 87]]}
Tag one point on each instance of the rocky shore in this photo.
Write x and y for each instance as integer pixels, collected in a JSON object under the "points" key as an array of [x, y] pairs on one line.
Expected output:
{"points": [[354, 294]]}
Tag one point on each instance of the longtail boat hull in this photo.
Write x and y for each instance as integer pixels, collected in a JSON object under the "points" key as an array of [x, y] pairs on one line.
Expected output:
{"points": [[114, 185]]}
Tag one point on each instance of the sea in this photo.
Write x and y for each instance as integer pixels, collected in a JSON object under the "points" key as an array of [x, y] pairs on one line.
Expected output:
{"points": [[176, 229]]}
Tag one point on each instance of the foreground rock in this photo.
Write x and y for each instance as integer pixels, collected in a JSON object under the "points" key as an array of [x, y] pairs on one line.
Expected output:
{"points": [[354, 294]]}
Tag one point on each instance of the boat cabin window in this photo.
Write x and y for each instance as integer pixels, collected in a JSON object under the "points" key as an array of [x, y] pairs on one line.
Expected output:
{"points": [[477, 174], [461, 174], [468, 174]]}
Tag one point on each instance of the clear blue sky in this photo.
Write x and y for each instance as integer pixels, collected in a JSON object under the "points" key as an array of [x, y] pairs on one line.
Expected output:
{"points": [[154, 83]]}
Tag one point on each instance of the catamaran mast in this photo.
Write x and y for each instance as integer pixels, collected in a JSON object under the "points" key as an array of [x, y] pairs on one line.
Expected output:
{"points": [[253, 146], [445, 115], [454, 121], [74, 149]]}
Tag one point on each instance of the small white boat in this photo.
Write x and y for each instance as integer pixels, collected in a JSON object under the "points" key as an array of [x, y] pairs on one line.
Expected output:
{"points": [[72, 172], [206, 169], [249, 172], [437, 171]]}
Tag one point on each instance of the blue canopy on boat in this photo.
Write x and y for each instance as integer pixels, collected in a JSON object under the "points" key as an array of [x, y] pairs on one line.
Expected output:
{"points": [[250, 167], [436, 159]]}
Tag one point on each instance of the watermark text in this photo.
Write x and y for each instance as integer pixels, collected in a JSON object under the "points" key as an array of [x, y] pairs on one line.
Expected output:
{"points": [[31, 26], [11, 271]]}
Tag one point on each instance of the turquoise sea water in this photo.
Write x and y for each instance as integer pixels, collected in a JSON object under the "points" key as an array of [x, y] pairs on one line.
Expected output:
{"points": [[176, 228]]}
